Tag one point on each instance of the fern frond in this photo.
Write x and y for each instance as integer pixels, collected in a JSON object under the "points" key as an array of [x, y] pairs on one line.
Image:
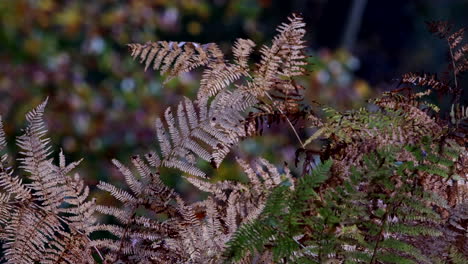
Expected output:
{"points": [[137, 233], [36, 151], [458, 52], [180, 56], [425, 79], [49, 218], [2, 136], [284, 58], [206, 133], [279, 221], [13, 184], [219, 76], [241, 50], [372, 216]]}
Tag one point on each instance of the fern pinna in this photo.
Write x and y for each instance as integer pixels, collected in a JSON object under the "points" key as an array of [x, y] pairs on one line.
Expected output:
{"points": [[386, 183]]}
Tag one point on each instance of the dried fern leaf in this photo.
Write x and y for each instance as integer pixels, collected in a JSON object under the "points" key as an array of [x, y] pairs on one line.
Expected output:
{"points": [[441, 29], [49, 218], [285, 57], [205, 133], [457, 51], [8, 182], [2, 136], [219, 76], [178, 56], [242, 50], [137, 233], [425, 80]]}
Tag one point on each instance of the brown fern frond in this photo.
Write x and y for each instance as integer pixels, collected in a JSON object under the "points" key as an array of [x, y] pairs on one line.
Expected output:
{"points": [[206, 129], [219, 76], [178, 56], [11, 184], [48, 219], [138, 233], [456, 38], [192, 233], [440, 29], [2, 136], [284, 58], [207, 133], [69, 249], [458, 52], [287, 105], [28, 233], [244, 203], [424, 79], [36, 153], [242, 50]]}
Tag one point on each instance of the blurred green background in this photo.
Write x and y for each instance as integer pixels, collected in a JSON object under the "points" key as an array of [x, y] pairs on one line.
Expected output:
{"points": [[102, 105]]}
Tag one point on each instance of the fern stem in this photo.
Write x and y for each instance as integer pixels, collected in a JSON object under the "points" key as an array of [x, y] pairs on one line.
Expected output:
{"points": [[302, 246], [289, 122], [79, 232], [382, 229], [456, 96]]}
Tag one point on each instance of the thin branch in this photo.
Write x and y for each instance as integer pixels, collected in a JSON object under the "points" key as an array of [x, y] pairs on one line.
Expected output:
{"points": [[289, 122], [303, 247], [81, 233], [382, 229], [456, 97]]}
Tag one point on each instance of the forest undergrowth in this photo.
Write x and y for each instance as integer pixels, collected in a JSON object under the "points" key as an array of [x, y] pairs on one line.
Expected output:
{"points": [[386, 183]]}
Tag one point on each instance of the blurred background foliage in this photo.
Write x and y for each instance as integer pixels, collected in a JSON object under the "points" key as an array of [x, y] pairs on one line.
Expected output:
{"points": [[102, 105]]}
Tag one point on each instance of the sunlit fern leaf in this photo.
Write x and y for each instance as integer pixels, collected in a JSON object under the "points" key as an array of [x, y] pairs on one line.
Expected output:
{"points": [[36, 151], [178, 56], [198, 132], [209, 131], [458, 52], [242, 50], [284, 58], [2, 137], [137, 233], [11, 184], [50, 218], [219, 76]]}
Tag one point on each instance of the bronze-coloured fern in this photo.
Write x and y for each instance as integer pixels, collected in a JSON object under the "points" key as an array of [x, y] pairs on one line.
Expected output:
{"points": [[48, 219], [386, 183], [458, 61]]}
